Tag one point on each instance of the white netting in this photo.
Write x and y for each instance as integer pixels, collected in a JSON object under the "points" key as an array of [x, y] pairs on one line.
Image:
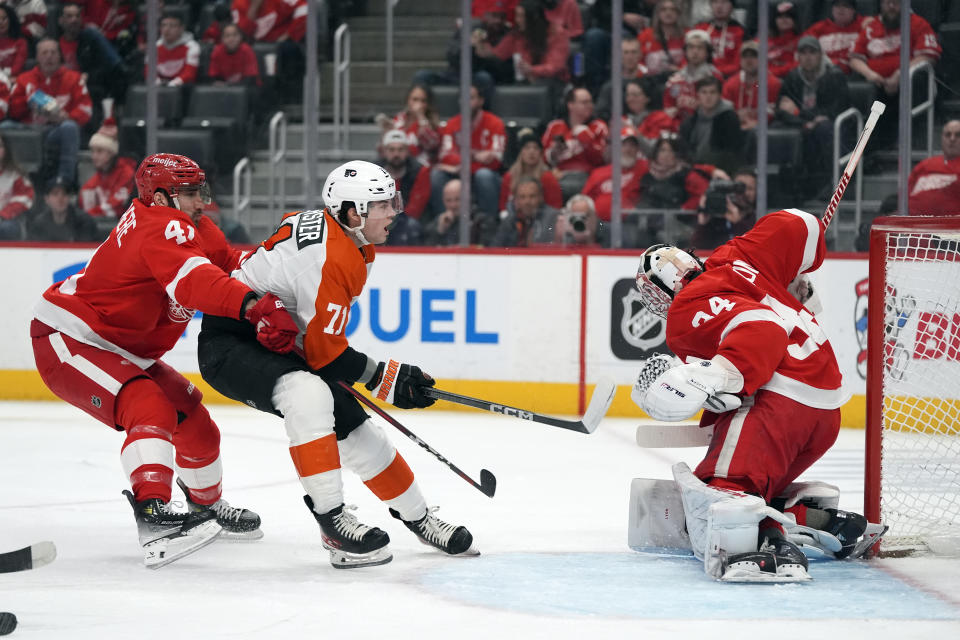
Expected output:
{"points": [[920, 450]]}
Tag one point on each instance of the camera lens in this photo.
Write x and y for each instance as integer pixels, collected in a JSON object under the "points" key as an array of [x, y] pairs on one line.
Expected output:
{"points": [[578, 224]]}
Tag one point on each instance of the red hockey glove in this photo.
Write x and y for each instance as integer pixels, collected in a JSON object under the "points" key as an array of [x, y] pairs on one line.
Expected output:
{"points": [[276, 330], [402, 385]]}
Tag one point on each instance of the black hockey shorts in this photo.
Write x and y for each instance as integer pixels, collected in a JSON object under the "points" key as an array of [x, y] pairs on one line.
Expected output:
{"points": [[235, 364]]}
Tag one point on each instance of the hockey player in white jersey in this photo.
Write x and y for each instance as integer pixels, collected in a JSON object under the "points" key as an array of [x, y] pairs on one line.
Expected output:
{"points": [[317, 263]]}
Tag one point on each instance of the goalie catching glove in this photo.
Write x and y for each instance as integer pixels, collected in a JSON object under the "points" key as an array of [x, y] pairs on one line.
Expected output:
{"points": [[276, 330], [402, 385], [672, 392]]}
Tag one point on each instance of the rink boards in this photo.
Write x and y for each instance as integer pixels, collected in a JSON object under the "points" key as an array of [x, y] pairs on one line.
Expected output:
{"points": [[531, 328]]}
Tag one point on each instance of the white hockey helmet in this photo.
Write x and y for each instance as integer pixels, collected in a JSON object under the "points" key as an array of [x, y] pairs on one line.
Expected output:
{"points": [[664, 271], [359, 182]]}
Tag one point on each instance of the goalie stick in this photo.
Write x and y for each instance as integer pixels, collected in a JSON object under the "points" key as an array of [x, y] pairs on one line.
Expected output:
{"points": [[599, 403], [876, 109], [36, 555], [488, 482]]}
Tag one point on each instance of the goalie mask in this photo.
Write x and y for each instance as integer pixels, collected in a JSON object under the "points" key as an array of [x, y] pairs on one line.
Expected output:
{"points": [[357, 184], [664, 271]]}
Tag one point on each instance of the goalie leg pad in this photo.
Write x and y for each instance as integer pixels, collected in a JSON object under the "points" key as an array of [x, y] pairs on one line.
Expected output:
{"points": [[656, 518]]}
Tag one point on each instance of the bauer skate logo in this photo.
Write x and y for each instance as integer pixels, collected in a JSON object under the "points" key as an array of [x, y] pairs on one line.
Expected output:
{"points": [[635, 333], [179, 313], [510, 411]]}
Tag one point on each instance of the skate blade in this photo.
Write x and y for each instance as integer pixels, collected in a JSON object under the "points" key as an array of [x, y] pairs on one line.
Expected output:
{"points": [[344, 560], [750, 573], [162, 552], [240, 536], [871, 536]]}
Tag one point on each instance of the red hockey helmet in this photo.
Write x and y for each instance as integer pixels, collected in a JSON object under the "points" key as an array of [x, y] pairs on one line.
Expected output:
{"points": [[170, 172]]}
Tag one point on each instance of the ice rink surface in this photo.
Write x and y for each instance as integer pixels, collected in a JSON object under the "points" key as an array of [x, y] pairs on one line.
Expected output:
{"points": [[555, 562]]}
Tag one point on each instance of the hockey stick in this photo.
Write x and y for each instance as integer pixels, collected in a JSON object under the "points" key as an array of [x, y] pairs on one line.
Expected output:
{"points": [[36, 555], [488, 482], [876, 109], [599, 403]]}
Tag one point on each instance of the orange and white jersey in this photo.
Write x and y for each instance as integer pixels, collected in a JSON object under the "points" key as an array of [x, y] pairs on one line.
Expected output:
{"points": [[315, 268]]}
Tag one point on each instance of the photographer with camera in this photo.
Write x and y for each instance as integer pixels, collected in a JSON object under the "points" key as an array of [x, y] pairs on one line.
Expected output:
{"points": [[727, 210], [578, 224]]}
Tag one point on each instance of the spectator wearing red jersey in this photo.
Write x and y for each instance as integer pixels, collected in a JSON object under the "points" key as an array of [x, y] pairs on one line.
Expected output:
{"points": [[934, 184], [599, 186], [6, 84], [411, 177], [726, 36], [784, 34], [54, 98], [539, 49], [680, 94], [60, 220], [283, 22], [488, 139], [742, 90], [221, 18], [530, 164], [13, 46], [16, 194], [420, 124], [33, 17], [233, 61], [576, 145], [838, 33], [108, 191], [638, 113], [178, 54], [632, 69], [114, 18], [565, 14], [661, 44], [87, 51]]}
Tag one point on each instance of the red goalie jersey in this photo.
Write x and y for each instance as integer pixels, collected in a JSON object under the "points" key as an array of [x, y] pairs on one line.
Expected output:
{"points": [[144, 284], [739, 308]]}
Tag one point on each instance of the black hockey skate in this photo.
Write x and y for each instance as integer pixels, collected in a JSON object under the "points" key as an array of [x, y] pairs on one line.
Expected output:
{"points": [[167, 535], [855, 534], [351, 543], [777, 560], [436, 533], [239, 524]]}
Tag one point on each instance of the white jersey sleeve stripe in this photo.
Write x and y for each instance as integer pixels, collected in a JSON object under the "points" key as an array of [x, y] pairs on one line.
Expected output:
{"points": [[755, 315], [813, 239], [188, 266], [84, 366]]}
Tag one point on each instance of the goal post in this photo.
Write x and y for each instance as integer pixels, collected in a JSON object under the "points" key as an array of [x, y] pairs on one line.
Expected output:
{"points": [[912, 478]]}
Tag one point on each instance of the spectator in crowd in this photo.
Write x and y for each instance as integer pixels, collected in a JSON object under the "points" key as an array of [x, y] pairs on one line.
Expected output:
{"points": [[233, 61], [596, 39], [235, 232], [565, 15], [784, 34], [221, 18], [538, 48], [178, 54], [5, 89], [671, 181], [88, 52], [728, 218], [876, 56], [54, 98], [33, 17], [812, 96], [712, 132], [680, 94], [662, 44], [420, 124], [838, 33], [487, 29], [411, 177], [283, 22], [114, 18], [529, 221], [60, 220], [632, 69], [530, 164], [16, 194], [444, 229], [599, 186], [934, 184], [575, 145], [13, 46], [726, 36], [577, 224], [649, 123], [488, 139], [108, 192], [742, 90]]}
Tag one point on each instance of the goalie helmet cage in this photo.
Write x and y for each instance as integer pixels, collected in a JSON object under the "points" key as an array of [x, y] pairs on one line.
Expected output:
{"points": [[912, 480]]}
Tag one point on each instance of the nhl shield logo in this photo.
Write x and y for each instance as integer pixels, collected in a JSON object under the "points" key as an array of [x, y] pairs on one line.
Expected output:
{"points": [[635, 333]]}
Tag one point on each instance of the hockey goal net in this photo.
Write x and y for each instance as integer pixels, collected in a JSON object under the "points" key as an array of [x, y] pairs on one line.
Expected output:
{"points": [[913, 383]]}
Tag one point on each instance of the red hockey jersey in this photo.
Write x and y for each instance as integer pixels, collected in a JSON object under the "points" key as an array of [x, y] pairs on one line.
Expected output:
{"points": [[233, 67], [488, 134], [273, 20], [740, 308], [743, 95], [106, 194], [13, 54], [65, 86], [880, 48], [934, 187], [111, 18], [656, 58], [837, 42], [423, 140], [599, 186], [16, 194], [582, 151], [725, 40], [177, 64], [144, 283]]}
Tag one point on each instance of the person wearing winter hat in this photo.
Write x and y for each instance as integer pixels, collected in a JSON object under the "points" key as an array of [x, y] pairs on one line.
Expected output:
{"points": [[679, 95], [108, 192]]}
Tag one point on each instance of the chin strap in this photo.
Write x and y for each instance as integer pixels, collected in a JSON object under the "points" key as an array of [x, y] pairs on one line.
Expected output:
{"points": [[356, 232]]}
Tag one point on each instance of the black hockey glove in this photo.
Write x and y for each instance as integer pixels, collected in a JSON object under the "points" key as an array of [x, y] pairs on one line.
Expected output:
{"points": [[402, 385]]}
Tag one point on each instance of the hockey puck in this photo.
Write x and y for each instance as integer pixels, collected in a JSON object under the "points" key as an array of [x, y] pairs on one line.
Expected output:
{"points": [[8, 622]]}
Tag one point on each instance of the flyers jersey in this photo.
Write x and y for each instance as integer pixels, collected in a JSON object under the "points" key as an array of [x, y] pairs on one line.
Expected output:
{"points": [[144, 283], [315, 268], [739, 307]]}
